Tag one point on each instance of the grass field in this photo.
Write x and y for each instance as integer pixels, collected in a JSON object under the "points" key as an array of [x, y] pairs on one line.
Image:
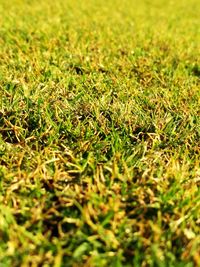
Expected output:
{"points": [[99, 133]]}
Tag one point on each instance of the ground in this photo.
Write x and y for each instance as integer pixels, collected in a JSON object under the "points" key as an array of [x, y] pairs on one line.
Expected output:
{"points": [[99, 133]]}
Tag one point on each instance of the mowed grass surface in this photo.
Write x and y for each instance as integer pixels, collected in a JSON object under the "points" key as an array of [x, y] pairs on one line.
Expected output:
{"points": [[99, 133]]}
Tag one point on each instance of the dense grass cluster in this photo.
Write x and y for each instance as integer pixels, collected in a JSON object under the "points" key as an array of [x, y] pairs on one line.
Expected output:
{"points": [[99, 133]]}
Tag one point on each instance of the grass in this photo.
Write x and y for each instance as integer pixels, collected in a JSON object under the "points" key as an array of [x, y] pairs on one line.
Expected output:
{"points": [[99, 133]]}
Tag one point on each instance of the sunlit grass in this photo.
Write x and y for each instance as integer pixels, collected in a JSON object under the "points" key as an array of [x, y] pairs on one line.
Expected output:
{"points": [[99, 133]]}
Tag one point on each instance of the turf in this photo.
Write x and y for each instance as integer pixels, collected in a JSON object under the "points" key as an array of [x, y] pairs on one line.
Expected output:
{"points": [[99, 133]]}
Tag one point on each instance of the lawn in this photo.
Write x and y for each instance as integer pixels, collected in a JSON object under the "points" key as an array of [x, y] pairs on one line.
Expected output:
{"points": [[99, 133]]}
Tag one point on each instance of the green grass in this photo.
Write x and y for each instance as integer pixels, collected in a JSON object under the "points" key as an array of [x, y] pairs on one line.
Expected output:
{"points": [[99, 133]]}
